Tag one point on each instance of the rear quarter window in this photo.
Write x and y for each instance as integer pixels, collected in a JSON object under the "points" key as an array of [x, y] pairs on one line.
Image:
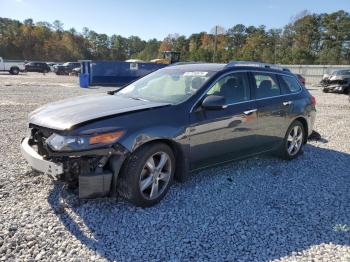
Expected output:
{"points": [[266, 85], [289, 84]]}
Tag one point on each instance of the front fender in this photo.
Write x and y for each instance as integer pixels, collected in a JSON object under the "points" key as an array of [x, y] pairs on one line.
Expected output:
{"points": [[177, 138], [134, 139]]}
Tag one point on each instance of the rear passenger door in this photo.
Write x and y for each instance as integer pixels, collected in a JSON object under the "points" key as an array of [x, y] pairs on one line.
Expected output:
{"points": [[31, 67], [272, 110], [37, 67]]}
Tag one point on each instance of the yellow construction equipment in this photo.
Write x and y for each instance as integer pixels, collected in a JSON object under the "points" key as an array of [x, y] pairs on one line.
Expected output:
{"points": [[169, 57]]}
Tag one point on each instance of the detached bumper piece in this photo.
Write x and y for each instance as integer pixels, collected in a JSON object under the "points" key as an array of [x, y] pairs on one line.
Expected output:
{"points": [[37, 162], [94, 185]]}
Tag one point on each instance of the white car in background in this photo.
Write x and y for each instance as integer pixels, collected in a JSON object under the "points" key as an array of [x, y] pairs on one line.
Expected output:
{"points": [[11, 66]]}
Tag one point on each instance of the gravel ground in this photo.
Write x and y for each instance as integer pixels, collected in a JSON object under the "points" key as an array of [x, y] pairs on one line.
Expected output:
{"points": [[260, 209]]}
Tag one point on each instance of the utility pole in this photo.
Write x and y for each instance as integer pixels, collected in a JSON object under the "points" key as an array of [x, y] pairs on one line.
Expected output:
{"points": [[215, 43], [275, 52], [217, 30]]}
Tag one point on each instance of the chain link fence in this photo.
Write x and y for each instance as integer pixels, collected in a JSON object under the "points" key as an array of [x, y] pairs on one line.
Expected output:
{"points": [[313, 73]]}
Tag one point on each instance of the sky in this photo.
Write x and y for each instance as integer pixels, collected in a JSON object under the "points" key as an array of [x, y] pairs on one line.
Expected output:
{"points": [[158, 18]]}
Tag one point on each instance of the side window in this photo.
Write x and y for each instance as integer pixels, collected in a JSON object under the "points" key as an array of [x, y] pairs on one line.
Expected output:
{"points": [[266, 85], [234, 87], [289, 84]]}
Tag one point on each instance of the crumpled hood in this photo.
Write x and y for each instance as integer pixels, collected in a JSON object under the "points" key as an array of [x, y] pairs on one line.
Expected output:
{"points": [[341, 77], [64, 114]]}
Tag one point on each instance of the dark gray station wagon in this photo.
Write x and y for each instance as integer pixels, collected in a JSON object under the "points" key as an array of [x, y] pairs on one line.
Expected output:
{"points": [[136, 140]]}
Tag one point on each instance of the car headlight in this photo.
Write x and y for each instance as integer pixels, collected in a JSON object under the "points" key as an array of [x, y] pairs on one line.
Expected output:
{"points": [[75, 143]]}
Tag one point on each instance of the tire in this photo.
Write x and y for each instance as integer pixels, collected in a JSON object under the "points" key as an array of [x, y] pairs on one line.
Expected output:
{"points": [[14, 71], [286, 151], [137, 183], [325, 90], [45, 71]]}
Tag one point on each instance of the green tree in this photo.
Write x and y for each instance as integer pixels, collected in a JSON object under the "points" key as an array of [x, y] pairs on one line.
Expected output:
{"points": [[307, 39]]}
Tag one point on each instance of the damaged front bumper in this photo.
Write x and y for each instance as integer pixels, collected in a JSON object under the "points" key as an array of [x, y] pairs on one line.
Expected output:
{"points": [[37, 162], [340, 85], [335, 88], [94, 172]]}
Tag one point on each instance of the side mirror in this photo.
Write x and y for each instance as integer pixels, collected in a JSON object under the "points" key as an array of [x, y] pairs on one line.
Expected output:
{"points": [[214, 102]]}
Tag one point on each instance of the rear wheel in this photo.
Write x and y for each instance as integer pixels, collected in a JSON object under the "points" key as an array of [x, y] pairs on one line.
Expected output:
{"points": [[14, 71], [147, 175], [293, 141]]}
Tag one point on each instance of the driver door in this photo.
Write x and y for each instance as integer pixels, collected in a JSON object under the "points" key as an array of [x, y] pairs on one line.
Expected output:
{"points": [[220, 135]]}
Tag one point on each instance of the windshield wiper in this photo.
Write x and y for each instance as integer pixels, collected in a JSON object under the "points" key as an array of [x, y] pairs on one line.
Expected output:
{"points": [[112, 92], [138, 98], [121, 87], [124, 95]]}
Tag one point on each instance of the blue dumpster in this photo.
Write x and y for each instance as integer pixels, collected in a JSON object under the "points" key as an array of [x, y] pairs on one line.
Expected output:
{"points": [[84, 80], [113, 73]]}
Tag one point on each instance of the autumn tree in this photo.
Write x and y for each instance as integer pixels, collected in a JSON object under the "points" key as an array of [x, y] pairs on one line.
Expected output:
{"points": [[307, 39]]}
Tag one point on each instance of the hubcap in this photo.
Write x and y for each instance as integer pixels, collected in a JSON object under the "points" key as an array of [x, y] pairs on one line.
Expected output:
{"points": [[295, 140], [155, 175]]}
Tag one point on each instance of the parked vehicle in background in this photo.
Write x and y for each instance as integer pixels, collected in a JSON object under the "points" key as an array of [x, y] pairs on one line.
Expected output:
{"points": [[337, 82], [51, 64], [76, 71], [66, 68], [53, 67], [40, 67], [136, 139], [11, 66], [324, 79], [301, 79]]}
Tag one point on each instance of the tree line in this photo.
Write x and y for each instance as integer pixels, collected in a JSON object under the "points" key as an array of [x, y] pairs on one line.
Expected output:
{"points": [[307, 39]]}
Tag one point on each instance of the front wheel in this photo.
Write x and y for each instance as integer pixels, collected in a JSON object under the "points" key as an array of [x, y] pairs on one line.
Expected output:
{"points": [[14, 71], [293, 141], [147, 174]]}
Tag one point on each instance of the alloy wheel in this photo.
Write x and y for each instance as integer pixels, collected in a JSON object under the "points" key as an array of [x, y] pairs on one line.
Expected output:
{"points": [[294, 140], [155, 175]]}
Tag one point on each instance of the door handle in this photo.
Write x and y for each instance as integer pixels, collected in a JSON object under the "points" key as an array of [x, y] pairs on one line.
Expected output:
{"points": [[287, 103], [248, 112]]}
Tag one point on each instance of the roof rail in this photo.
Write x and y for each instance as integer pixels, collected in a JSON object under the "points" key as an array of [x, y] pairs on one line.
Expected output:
{"points": [[255, 64], [185, 63]]}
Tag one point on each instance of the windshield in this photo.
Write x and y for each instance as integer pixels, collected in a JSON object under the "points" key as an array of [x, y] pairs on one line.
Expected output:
{"points": [[169, 85], [342, 72]]}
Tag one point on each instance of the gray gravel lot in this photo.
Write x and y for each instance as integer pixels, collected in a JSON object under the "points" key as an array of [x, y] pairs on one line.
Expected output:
{"points": [[260, 209]]}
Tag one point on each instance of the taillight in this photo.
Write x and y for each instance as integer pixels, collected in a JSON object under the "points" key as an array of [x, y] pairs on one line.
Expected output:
{"points": [[313, 100]]}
